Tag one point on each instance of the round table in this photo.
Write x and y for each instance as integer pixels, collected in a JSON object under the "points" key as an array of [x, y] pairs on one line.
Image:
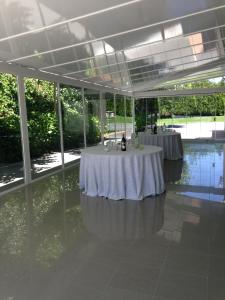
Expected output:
{"points": [[132, 174], [169, 141]]}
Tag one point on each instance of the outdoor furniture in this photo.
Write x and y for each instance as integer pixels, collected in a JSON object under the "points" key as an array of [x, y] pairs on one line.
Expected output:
{"points": [[218, 134], [132, 174], [169, 141]]}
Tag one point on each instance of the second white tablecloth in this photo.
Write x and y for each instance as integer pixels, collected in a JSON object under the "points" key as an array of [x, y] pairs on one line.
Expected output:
{"points": [[170, 142]]}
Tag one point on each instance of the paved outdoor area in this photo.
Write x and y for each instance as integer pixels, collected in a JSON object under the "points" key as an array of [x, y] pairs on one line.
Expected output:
{"points": [[120, 129], [188, 131], [198, 130], [14, 172]]}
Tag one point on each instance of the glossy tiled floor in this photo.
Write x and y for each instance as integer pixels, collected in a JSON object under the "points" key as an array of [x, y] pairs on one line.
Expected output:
{"points": [[57, 244]]}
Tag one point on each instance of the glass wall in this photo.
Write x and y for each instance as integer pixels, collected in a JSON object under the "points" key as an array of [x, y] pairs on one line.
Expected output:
{"points": [[93, 117], [146, 112], [72, 122], [110, 118], [11, 162], [128, 112], [193, 116], [118, 117], [121, 118], [43, 127]]}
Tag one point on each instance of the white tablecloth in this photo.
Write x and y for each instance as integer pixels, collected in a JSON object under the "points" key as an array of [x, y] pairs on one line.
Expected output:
{"points": [[132, 174], [169, 141]]}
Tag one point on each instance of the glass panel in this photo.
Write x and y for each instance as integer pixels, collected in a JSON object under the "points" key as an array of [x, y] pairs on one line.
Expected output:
{"points": [[129, 125], [208, 116], [93, 118], [73, 122], [140, 115], [42, 116], [110, 129], [217, 113], [152, 112], [181, 115], [120, 116], [11, 165], [193, 116], [146, 113], [165, 112]]}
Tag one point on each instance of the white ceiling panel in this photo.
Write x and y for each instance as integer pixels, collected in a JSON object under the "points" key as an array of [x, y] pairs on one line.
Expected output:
{"points": [[135, 45]]}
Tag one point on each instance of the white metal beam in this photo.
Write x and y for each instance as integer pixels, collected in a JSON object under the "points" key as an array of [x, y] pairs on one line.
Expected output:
{"points": [[133, 114], [180, 93], [33, 73], [60, 124], [114, 106], [84, 117], [125, 114], [102, 117]]}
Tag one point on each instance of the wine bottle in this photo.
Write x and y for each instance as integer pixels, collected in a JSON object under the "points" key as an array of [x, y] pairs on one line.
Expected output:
{"points": [[123, 143]]}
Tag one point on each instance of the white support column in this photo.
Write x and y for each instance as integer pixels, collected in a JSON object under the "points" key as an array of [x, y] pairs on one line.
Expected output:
{"points": [[158, 100], [60, 124], [125, 115], [24, 130], [146, 113], [114, 104], [133, 115], [102, 117], [84, 115], [224, 117]]}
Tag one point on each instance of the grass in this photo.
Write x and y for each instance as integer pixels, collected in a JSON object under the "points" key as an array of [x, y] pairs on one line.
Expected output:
{"points": [[120, 119], [170, 121]]}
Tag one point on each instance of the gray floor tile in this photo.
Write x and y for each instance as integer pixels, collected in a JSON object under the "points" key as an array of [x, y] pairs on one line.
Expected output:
{"points": [[187, 262], [216, 289], [177, 286], [217, 267], [119, 294], [135, 279]]}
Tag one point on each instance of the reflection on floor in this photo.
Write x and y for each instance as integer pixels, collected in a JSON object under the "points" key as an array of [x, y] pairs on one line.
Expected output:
{"points": [[58, 244], [200, 174]]}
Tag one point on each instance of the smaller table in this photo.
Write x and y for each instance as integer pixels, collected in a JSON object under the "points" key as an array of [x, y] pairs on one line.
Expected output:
{"points": [[169, 141], [132, 174]]}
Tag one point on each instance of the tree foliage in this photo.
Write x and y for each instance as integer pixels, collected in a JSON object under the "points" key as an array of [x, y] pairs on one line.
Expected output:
{"points": [[42, 119], [209, 105]]}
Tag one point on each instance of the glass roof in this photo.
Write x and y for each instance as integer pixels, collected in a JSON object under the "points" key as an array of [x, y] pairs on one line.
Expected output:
{"points": [[136, 45]]}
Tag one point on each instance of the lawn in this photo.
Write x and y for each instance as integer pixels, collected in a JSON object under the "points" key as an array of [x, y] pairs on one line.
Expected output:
{"points": [[120, 119], [169, 121], [190, 120]]}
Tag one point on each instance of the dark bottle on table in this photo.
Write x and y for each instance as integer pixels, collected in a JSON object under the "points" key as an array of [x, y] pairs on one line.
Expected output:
{"points": [[155, 129], [123, 144]]}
